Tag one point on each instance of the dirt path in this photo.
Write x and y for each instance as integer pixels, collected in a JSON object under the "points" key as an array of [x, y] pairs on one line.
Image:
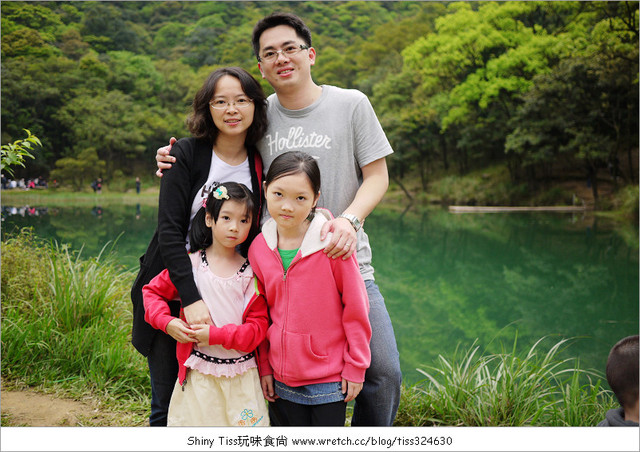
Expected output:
{"points": [[34, 409]]}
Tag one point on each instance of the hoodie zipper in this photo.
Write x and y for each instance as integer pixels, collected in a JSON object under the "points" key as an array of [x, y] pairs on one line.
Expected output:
{"points": [[286, 290], [285, 272]]}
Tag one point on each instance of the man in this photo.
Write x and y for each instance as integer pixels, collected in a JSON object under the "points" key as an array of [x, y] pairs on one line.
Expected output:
{"points": [[340, 129]]}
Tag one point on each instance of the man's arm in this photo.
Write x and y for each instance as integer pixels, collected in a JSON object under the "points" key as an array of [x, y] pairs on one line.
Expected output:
{"points": [[375, 181], [163, 159]]}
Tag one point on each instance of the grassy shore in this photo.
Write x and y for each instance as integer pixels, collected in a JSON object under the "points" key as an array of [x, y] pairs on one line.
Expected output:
{"points": [[60, 197], [66, 324], [489, 186]]}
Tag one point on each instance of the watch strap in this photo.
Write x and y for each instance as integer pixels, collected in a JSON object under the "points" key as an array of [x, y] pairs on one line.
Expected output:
{"points": [[355, 221]]}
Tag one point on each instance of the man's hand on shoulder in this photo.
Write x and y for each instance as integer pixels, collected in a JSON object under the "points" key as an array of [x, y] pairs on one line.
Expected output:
{"points": [[163, 159], [343, 241]]}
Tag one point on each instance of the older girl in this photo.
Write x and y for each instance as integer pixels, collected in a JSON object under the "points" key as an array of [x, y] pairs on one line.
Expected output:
{"points": [[319, 334]]}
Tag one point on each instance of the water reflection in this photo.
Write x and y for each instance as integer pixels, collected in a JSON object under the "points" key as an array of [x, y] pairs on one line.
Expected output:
{"points": [[97, 212], [24, 211], [89, 227], [450, 279]]}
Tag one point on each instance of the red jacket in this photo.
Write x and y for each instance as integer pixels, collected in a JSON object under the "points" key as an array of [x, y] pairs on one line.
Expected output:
{"points": [[320, 329], [245, 338]]}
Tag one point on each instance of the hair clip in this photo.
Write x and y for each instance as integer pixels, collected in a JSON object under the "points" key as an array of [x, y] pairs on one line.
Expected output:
{"points": [[220, 192], [204, 203]]}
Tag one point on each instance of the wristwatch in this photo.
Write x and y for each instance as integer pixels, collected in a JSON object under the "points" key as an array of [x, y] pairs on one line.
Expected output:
{"points": [[355, 221]]}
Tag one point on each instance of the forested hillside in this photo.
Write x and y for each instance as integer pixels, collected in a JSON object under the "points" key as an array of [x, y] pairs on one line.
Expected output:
{"points": [[546, 88]]}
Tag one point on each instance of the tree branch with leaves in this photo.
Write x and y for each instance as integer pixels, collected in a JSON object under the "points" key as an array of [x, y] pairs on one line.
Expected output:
{"points": [[16, 152]]}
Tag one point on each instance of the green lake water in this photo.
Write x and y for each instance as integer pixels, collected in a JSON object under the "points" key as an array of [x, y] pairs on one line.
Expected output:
{"points": [[448, 279]]}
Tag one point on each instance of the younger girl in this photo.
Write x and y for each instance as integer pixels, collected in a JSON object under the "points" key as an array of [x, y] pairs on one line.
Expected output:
{"points": [[218, 383], [318, 340]]}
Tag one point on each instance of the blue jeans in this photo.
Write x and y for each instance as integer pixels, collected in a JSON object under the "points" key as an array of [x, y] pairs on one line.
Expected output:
{"points": [[163, 371], [377, 403]]}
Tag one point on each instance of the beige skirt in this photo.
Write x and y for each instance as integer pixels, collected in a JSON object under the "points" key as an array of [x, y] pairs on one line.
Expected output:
{"points": [[209, 401]]}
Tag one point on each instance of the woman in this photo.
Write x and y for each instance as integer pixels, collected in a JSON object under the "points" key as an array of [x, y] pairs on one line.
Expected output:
{"points": [[228, 118]]}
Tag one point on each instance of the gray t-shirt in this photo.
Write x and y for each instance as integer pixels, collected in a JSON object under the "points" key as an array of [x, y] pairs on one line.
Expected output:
{"points": [[342, 132]]}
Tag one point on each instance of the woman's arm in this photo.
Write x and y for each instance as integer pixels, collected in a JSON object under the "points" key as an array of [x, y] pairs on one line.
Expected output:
{"points": [[174, 209]]}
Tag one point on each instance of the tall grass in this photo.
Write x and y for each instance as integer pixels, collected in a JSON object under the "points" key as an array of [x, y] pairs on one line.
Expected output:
{"points": [[81, 290], [506, 389], [66, 323]]}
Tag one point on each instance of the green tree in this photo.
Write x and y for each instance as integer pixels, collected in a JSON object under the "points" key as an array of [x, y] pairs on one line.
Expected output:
{"points": [[33, 16], [585, 110], [380, 55], [474, 67], [133, 74], [33, 91], [25, 41], [109, 122], [104, 27], [168, 42], [202, 41], [76, 171], [72, 45]]}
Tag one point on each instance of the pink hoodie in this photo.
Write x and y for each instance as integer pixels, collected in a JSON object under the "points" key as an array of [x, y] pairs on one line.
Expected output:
{"points": [[320, 329]]}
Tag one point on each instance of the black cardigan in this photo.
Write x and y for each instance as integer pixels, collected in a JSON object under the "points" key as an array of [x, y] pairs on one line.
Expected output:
{"points": [[167, 248]]}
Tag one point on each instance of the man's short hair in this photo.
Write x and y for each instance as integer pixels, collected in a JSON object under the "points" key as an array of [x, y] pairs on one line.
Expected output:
{"points": [[276, 19], [622, 370]]}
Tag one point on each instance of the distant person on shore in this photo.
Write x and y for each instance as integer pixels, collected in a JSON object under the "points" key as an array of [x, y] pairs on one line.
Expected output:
{"points": [[622, 375], [138, 185], [97, 185], [218, 383], [228, 118]]}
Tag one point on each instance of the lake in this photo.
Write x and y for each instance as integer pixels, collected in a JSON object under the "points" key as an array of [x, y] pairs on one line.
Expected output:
{"points": [[448, 279]]}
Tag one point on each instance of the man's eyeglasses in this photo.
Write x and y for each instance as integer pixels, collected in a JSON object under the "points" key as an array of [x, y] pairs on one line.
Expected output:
{"points": [[272, 55], [220, 104]]}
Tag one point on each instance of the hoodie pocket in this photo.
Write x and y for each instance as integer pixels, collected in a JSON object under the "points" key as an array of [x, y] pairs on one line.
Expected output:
{"points": [[302, 360]]}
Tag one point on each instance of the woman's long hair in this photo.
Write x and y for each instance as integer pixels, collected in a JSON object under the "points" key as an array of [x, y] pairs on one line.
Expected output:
{"points": [[201, 235], [201, 124]]}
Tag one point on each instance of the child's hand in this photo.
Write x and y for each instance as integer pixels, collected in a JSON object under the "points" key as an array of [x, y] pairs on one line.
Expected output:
{"points": [[200, 334], [267, 388], [180, 331], [351, 389]]}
